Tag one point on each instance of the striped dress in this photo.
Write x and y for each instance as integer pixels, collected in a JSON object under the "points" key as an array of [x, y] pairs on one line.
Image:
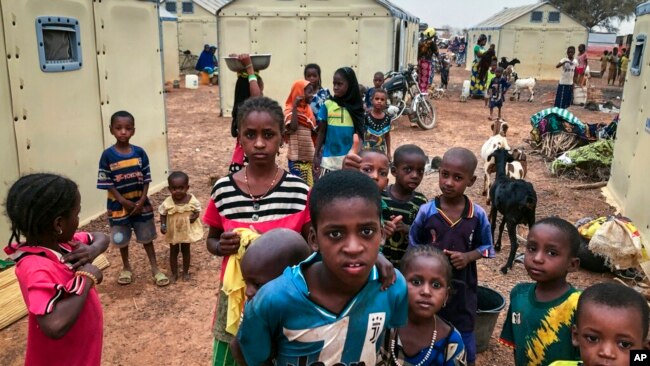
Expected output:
{"points": [[285, 206]]}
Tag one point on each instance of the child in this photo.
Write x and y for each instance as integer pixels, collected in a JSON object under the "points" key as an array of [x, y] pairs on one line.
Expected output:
{"points": [[377, 81], [613, 66], [551, 253], [459, 227], [124, 172], [377, 124], [262, 196], [603, 63], [564, 94], [374, 164], [579, 76], [338, 119], [178, 222], [445, 64], [312, 74], [55, 271], [611, 320], [624, 61], [329, 309], [249, 84], [490, 75], [497, 92], [300, 128], [272, 253], [428, 274], [402, 199]]}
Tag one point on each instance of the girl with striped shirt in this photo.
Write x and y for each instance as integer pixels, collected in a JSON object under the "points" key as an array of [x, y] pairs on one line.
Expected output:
{"points": [[261, 196]]}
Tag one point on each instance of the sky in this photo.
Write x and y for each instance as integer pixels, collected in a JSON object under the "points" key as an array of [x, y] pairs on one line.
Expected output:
{"points": [[467, 13]]}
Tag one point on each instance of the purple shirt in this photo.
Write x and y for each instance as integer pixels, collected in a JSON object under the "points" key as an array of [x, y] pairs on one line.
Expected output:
{"points": [[471, 232]]}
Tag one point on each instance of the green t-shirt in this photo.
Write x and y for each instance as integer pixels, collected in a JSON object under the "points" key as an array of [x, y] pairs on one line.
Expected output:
{"points": [[397, 245], [540, 332]]}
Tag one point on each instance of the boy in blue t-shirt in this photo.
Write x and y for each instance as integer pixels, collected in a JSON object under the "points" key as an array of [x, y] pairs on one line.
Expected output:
{"points": [[459, 227], [124, 172], [329, 309], [377, 81]]}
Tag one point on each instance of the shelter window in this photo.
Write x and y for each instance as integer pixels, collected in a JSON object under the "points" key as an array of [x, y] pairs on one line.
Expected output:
{"points": [[553, 16], [536, 16], [188, 7], [170, 6], [59, 43], [637, 57]]}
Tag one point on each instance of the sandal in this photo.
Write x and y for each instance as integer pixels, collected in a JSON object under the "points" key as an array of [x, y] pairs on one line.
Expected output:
{"points": [[125, 277], [161, 280]]}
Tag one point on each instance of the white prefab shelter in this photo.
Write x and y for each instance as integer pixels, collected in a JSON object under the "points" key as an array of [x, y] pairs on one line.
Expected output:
{"points": [[169, 30], [67, 66], [628, 183], [197, 22], [538, 35], [368, 35]]}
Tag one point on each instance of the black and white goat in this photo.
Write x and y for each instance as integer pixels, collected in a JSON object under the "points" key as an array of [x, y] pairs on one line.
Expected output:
{"points": [[515, 199]]}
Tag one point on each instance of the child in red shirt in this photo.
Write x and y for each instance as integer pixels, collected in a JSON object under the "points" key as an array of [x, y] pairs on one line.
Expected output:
{"points": [[54, 270]]}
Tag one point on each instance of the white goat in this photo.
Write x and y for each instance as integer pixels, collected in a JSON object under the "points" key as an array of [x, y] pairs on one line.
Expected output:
{"points": [[497, 141], [528, 83]]}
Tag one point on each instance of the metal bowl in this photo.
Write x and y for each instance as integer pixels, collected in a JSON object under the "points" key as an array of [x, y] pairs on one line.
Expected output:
{"points": [[260, 62]]}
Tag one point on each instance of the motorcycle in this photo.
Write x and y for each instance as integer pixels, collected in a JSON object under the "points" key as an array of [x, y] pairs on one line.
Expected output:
{"points": [[404, 96]]}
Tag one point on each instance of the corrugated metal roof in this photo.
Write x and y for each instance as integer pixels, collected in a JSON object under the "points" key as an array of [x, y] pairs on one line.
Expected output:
{"points": [[211, 5], [395, 10], [506, 16], [607, 38], [643, 9], [165, 15], [399, 12]]}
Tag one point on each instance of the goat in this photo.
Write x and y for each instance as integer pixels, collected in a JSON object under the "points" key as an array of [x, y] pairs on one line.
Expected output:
{"points": [[504, 63], [496, 141], [527, 83], [515, 199], [517, 168]]}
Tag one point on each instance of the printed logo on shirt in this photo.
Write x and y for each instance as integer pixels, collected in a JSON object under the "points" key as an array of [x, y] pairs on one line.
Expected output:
{"points": [[516, 318], [375, 326]]}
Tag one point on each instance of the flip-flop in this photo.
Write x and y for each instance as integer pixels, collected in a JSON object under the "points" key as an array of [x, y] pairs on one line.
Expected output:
{"points": [[125, 277], [161, 279]]}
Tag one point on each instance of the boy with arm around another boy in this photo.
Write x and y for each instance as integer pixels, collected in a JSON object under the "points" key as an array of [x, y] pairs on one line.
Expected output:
{"points": [[329, 309], [539, 319], [459, 227]]}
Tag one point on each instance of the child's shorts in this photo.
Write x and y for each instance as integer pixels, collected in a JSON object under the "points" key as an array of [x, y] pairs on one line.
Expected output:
{"points": [[470, 345], [145, 233], [496, 103]]}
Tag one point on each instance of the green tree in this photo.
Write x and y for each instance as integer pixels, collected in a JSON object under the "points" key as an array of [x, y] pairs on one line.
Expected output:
{"points": [[593, 13]]}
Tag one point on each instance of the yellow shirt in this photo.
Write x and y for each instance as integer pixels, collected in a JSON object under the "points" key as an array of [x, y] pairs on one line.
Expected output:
{"points": [[179, 227], [624, 62]]}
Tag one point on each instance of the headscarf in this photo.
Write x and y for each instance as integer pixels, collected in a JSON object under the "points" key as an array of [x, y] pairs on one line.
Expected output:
{"points": [[305, 114], [352, 99]]}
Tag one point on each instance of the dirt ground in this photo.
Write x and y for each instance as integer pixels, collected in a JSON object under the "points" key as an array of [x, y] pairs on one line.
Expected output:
{"points": [[147, 325]]}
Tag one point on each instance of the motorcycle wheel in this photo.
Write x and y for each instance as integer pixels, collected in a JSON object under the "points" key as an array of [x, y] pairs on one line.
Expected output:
{"points": [[426, 113]]}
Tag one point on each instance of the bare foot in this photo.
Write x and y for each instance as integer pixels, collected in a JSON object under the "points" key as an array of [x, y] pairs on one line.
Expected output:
{"points": [[489, 118], [186, 276], [173, 277]]}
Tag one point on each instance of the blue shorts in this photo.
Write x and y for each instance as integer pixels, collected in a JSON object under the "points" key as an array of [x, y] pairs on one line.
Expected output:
{"points": [[145, 233], [498, 103], [470, 345]]}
